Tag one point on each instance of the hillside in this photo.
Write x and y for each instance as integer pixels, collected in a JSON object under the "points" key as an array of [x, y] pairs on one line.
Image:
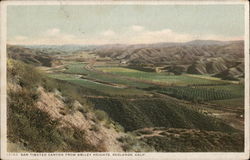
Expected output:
{"points": [[29, 56], [142, 113], [195, 57], [43, 120], [186, 140], [180, 52]]}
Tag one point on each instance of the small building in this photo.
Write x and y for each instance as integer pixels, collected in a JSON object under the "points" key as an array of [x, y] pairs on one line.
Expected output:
{"points": [[123, 62]]}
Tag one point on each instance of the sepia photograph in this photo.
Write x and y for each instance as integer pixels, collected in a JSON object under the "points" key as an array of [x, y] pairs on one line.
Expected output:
{"points": [[124, 79]]}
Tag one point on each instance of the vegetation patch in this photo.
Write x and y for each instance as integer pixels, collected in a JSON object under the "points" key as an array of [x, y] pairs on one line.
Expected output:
{"points": [[131, 144], [195, 141], [138, 114], [30, 126]]}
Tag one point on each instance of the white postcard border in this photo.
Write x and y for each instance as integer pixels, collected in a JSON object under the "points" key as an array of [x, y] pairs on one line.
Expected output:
{"points": [[147, 155]]}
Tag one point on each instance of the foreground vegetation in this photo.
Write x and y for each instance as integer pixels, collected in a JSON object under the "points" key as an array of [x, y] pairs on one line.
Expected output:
{"points": [[157, 113], [31, 127], [183, 140]]}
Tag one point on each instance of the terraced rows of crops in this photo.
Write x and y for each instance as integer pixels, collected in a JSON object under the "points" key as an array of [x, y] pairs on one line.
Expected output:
{"points": [[203, 93], [235, 89]]}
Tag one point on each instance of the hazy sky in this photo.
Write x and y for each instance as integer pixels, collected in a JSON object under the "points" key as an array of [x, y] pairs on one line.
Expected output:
{"points": [[123, 23]]}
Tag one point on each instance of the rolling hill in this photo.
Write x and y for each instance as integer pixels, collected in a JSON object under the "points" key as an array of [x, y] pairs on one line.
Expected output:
{"points": [[30, 56], [195, 57]]}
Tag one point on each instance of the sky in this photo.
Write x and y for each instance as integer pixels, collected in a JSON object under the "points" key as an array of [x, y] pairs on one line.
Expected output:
{"points": [[127, 24]]}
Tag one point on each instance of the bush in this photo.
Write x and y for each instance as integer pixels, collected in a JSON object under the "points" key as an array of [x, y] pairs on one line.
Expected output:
{"points": [[131, 144], [145, 131], [118, 127], [48, 84], [30, 124], [22, 74], [101, 115]]}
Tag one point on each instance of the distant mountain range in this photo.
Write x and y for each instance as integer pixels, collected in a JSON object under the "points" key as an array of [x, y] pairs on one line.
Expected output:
{"points": [[74, 47], [70, 48]]}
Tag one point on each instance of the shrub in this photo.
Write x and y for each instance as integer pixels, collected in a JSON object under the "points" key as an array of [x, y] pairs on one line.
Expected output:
{"points": [[48, 84], [95, 128], [29, 123], [118, 127], [131, 144], [24, 75], [101, 115], [82, 110], [145, 131]]}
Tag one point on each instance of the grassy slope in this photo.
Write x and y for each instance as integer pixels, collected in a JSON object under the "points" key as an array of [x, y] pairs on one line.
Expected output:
{"points": [[30, 126], [184, 140], [155, 113]]}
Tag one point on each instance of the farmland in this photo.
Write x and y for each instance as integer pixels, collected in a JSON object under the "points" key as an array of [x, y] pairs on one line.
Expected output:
{"points": [[208, 93], [125, 81], [161, 78], [125, 89], [106, 89], [134, 93], [138, 100], [80, 68]]}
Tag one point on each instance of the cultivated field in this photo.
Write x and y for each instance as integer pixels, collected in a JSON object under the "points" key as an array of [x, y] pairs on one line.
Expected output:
{"points": [[124, 88]]}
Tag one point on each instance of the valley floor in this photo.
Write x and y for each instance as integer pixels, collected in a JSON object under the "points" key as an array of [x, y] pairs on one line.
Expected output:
{"points": [[207, 94]]}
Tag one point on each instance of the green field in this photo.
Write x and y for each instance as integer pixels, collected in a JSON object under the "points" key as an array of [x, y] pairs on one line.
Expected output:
{"points": [[143, 112], [121, 73], [235, 89], [78, 68], [98, 86], [124, 90], [160, 77], [107, 79], [204, 93], [235, 102]]}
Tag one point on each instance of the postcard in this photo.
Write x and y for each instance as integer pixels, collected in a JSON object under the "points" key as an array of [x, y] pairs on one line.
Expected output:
{"points": [[124, 80]]}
